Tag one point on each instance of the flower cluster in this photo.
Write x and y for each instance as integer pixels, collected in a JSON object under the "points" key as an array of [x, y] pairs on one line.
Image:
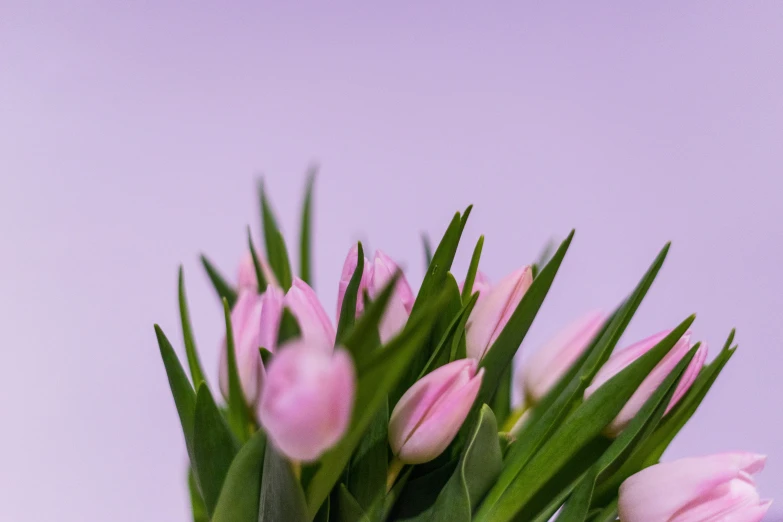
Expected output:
{"points": [[399, 408]]}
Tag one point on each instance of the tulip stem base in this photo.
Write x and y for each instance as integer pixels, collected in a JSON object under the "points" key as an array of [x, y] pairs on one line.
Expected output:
{"points": [[395, 467]]}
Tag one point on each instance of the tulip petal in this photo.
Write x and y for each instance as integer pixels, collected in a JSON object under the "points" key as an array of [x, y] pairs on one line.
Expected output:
{"points": [[314, 323], [661, 491], [307, 399], [491, 315]]}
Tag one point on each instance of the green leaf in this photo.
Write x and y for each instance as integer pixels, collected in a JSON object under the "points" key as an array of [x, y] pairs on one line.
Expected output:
{"points": [[478, 468], [500, 355], [366, 476], [348, 308], [439, 268], [375, 378], [608, 514], [305, 235], [266, 356], [643, 423], [238, 414], [501, 402], [652, 448], [187, 333], [587, 421], [276, 251], [222, 287], [362, 339], [184, 396], [213, 447], [348, 509], [418, 495], [382, 507], [198, 508], [260, 278], [324, 514], [435, 280], [425, 240], [467, 288], [289, 327], [549, 414], [239, 497], [450, 338], [445, 324], [281, 495]]}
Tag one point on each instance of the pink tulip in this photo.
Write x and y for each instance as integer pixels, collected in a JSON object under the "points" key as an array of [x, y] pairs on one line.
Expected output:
{"points": [[623, 358], [247, 273], [401, 302], [701, 489], [316, 328], [349, 267], [490, 315], [246, 327], [431, 412], [307, 399], [375, 277], [480, 284], [551, 361]]}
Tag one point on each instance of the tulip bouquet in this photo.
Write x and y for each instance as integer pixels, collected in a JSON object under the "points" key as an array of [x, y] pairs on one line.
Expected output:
{"points": [[400, 409]]}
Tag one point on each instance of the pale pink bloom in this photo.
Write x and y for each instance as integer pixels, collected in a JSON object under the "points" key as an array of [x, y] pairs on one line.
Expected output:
{"points": [[314, 323], [307, 399], [375, 276], [246, 327], [623, 358], [401, 302], [246, 278], [546, 366], [698, 489], [349, 267], [428, 416], [481, 285], [490, 316]]}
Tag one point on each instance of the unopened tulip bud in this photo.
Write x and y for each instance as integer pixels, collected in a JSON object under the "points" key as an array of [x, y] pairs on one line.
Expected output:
{"points": [[375, 277], [490, 316], [307, 399], [546, 366], [697, 489], [349, 267], [480, 284], [401, 302], [316, 328], [428, 416], [246, 327], [247, 273], [623, 358]]}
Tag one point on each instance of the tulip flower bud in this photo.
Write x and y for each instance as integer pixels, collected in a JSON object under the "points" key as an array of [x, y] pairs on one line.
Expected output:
{"points": [[428, 416], [246, 327], [349, 267], [546, 366], [623, 358], [697, 489], [317, 329], [247, 273], [375, 277], [307, 399], [401, 302], [490, 316], [480, 285]]}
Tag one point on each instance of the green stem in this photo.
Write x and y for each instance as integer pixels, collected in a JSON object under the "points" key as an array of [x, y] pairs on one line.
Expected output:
{"points": [[395, 466]]}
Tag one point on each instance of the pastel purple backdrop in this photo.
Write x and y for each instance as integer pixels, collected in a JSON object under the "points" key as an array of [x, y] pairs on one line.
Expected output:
{"points": [[131, 134]]}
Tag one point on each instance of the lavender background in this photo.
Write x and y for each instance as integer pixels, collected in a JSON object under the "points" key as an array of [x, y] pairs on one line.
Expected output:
{"points": [[131, 133]]}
